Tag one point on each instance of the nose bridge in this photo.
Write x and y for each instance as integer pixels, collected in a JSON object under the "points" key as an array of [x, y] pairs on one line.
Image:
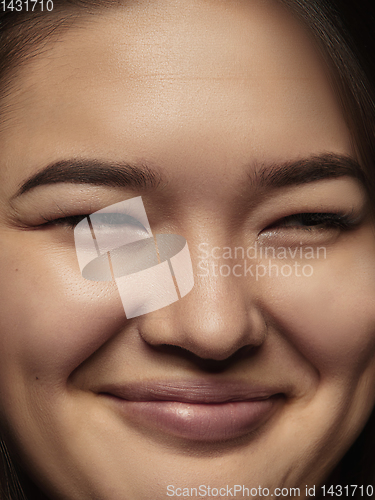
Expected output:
{"points": [[219, 316]]}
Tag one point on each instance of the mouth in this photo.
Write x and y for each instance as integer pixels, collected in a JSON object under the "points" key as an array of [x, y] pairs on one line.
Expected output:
{"points": [[197, 411]]}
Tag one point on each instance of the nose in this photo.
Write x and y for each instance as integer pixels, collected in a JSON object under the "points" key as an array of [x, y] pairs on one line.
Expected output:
{"points": [[216, 319]]}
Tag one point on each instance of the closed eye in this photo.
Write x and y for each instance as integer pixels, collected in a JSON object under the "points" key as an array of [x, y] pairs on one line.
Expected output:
{"points": [[101, 221], [312, 221], [115, 221]]}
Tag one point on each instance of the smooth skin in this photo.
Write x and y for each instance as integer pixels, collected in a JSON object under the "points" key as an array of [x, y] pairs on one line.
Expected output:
{"points": [[203, 92]]}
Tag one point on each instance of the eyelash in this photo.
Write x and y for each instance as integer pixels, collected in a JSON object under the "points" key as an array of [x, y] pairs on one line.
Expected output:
{"points": [[115, 219], [311, 221], [305, 221], [71, 221]]}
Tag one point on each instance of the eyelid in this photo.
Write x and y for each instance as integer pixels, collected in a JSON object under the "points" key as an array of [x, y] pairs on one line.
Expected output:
{"points": [[111, 216], [319, 220], [73, 220]]}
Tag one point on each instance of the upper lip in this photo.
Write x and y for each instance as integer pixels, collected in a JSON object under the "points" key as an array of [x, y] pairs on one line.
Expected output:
{"points": [[190, 392]]}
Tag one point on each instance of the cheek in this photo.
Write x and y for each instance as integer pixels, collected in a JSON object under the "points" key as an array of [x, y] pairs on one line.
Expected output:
{"points": [[51, 319], [330, 316]]}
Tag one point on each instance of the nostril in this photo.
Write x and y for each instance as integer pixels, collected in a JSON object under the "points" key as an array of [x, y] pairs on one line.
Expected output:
{"points": [[219, 365], [208, 365]]}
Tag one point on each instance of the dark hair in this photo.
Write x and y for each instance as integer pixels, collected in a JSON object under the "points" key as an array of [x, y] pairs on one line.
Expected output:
{"points": [[345, 33]]}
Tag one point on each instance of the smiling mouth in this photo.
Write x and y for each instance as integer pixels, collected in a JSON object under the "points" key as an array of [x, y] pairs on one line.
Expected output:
{"points": [[198, 411]]}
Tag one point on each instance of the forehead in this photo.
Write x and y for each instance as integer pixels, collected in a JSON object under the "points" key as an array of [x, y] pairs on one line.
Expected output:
{"points": [[237, 79]]}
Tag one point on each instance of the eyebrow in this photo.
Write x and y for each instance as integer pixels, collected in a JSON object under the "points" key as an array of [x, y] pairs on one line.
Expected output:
{"points": [[140, 176], [95, 172], [305, 170]]}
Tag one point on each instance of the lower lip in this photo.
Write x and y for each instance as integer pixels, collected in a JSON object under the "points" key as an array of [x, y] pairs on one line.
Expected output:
{"points": [[197, 421]]}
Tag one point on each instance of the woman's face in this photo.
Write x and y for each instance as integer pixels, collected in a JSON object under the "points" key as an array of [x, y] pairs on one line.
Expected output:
{"points": [[261, 376]]}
